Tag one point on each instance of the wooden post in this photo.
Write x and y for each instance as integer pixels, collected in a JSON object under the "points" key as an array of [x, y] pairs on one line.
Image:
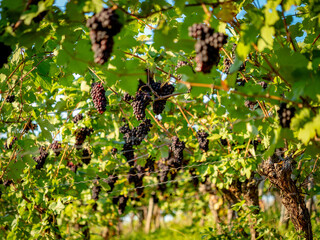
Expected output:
{"points": [[149, 216]]}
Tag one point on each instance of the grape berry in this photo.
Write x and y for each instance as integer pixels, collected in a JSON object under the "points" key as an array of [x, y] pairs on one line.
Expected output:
{"points": [[285, 114]]}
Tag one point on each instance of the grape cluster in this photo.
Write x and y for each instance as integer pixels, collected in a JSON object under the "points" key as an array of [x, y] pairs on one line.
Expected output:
{"points": [[161, 90], [251, 104], [86, 156], [176, 149], [99, 97], [135, 176], [195, 180], [207, 46], [73, 167], [56, 148], [149, 166], [13, 140], [163, 174], [179, 65], [134, 137], [128, 153], [202, 137], [140, 103], [285, 114], [137, 134], [41, 158], [111, 180], [30, 126], [81, 135], [77, 118], [227, 65], [227, 62], [159, 105], [263, 84], [95, 190], [103, 27], [122, 201], [224, 141], [171, 163], [10, 98], [5, 53], [127, 97], [114, 151]]}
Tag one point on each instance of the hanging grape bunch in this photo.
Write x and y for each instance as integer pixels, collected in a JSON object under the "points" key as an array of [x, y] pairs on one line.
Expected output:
{"points": [[13, 140], [207, 46], [98, 95], [285, 114], [10, 98], [77, 118], [103, 27], [176, 149], [81, 135], [95, 190], [140, 103], [122, 204], [56, 147], [163, 174], [228, 63], [30, 126], [134, 137], [111, 180], [202, 137], [86, 156], [251, 104], [41, 158], [160, 89]]}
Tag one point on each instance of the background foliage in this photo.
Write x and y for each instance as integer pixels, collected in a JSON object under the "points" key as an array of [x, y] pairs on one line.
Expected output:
{"points": [[50, 72]]}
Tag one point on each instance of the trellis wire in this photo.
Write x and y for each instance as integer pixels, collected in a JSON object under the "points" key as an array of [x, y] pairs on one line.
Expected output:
{"points": [[126, 175]]}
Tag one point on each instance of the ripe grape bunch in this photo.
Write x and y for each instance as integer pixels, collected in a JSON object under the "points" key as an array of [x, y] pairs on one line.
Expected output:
{"points": [[135, 176], [140, 103], [285, 114], [163, 174], [114, 151], [56, 148], [227, 62], [111, 180], [77, 118], [251, 104], [73, 167], [81, 135], [161, 90], [95, 190], [176, 149], [122, 204], [13, 140], [41, 158], [99, 97], [134, 137], [203, 140], [103, 27], [30, 126], [207, 46], [86, 156], [181, 64], [10, 98]]}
